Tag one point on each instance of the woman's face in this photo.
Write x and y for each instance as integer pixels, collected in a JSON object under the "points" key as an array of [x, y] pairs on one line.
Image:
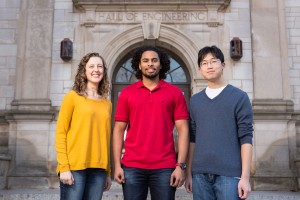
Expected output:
{"points": [[94, 70]]}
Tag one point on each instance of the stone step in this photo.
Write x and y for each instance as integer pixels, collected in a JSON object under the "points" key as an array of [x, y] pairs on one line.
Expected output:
{"points": [[116, 194]]}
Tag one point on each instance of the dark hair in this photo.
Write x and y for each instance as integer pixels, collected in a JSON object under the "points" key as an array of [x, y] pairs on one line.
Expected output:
{"points": [[163, 58], [215, 51], [80, 82]]}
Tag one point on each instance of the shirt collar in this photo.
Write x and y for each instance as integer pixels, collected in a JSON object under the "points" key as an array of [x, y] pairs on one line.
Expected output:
{"points": [[161, 83]]}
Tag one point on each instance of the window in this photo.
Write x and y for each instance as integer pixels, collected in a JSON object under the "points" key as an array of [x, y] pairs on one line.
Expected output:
{"points": [[176, 74]]}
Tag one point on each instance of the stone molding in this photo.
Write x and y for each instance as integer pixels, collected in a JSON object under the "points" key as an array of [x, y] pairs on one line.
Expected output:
{"points": [[275, 105], [30, 109], [31, 104], [274, 109], [118, 5], [122, 12], [30, 115]]}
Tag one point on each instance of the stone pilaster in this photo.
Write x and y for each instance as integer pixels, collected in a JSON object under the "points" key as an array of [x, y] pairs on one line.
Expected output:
{"points": [[31, 112], [274, 145], [274, 116]]}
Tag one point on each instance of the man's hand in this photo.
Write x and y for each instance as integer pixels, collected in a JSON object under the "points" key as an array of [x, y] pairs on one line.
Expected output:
{"points": [[188, 184], [244, 188], [119, 175], [177, 177]]}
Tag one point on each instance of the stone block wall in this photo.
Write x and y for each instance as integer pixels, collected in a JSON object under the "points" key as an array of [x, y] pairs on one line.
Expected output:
{"points": [[292, 11], [9, 20]]}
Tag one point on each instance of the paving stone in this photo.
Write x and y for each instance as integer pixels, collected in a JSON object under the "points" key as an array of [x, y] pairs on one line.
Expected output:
{"points": [[116, 194]]}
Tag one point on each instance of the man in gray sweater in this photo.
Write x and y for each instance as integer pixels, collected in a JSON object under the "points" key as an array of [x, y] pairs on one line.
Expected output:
{"points": [[221, 134]]}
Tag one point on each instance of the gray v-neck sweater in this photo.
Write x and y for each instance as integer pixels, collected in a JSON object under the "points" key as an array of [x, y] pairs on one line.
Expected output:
{"points": [[219, 127]]}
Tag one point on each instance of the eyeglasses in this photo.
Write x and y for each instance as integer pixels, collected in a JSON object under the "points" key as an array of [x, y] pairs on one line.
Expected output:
{"points": [[212, 62]]}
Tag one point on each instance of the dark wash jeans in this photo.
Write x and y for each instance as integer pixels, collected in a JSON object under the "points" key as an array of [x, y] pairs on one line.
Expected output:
{"points": [[137, 182], [88, 185], [214, 187]]}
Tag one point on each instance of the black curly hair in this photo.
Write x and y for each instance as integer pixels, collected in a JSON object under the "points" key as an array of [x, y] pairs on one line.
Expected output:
{"points": [[163, 58]]}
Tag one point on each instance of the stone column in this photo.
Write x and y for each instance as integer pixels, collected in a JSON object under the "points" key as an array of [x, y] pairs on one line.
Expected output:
{"points": [[274, 118], [31, 111]]}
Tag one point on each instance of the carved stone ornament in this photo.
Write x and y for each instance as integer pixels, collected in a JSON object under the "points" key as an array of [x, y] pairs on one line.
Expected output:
{"points": [[151, 29]]}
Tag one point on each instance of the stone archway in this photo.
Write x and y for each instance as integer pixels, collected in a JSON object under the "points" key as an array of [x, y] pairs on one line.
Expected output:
{"points": [[169, 38]]}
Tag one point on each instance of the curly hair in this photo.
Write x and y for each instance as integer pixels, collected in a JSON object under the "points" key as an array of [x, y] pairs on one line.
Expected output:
{"points": [[215, 51], [163, 58], [80, 83]]}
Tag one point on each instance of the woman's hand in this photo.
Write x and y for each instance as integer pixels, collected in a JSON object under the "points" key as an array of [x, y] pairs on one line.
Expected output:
{"points": [[66, 178]]}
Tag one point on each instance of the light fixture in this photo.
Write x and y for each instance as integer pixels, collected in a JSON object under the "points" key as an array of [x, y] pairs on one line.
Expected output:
{"points": [[66, 49], [236, 49]]}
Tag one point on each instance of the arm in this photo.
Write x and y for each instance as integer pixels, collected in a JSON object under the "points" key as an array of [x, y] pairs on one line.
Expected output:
{"points": [[177, 177], [108, 173], [188, 182], [244, 186], [192, 129], [62, 128], [245, 133], [118, 140]]}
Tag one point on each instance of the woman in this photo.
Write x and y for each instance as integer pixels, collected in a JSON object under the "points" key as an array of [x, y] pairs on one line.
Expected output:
{"points": [[83, 133]]}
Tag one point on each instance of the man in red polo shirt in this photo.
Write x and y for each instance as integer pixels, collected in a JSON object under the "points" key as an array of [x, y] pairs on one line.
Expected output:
{"points": [[149, 109]]}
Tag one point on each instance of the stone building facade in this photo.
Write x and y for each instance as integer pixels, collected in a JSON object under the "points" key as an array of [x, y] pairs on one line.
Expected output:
{"points": [[34, 78]]}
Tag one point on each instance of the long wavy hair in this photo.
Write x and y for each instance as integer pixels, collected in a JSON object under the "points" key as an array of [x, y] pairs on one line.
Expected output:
{"points": [[163, 58], [80, 83]]}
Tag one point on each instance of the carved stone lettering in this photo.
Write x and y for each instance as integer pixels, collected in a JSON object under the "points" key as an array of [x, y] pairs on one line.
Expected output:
{"points": [[134, 17]]}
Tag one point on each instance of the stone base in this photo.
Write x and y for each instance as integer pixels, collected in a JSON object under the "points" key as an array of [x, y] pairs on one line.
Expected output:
{"points": [[39, 182], [2, 182], [4, 166], [274, 183]]}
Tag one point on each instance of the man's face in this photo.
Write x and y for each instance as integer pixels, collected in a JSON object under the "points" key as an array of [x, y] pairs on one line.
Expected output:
{"points": [[150, 65], [211, 68]]}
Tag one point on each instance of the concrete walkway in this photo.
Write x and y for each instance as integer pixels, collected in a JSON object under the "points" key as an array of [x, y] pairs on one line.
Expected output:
{"points": [[116, 194]]}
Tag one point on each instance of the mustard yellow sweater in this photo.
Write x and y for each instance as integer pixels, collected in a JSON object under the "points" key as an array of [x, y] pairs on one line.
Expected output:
{"points": [[83, 133]]}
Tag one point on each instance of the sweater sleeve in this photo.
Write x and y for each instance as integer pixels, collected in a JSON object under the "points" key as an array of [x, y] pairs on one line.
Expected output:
{"points": [[192, 125], [244, 115], [108, 171], [62, 128]]}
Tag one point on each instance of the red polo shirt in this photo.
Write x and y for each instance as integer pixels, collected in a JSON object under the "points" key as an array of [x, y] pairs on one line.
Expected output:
{"points": [[149, 142]]}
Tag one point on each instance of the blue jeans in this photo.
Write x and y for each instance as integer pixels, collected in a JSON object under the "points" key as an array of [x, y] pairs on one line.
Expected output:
{"points": [[214, 187], [88, 185], [137, 182]]}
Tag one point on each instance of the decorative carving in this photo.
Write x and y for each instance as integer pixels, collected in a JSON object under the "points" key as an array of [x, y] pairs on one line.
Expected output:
{"points": [[151, 29]]}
